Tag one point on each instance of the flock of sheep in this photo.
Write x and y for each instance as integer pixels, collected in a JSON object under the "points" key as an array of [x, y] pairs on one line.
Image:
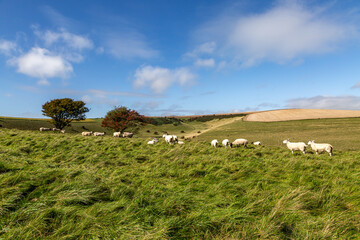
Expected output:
{"points": [[301, 146], [172, 139], [115, 134], [43, 129], [293, 146]]}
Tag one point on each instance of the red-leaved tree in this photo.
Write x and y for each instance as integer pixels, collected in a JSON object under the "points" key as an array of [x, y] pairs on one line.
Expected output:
{"points": [[121, 118]]}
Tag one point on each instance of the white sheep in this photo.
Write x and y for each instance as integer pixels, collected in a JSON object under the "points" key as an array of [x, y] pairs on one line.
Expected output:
{"points": [[164, 135], [117, 134], [296, 146], [226, 143], [214, 143], [321, 147], [258, 143], [180, 142], [86, 133], [240, 141], [152, 142], [44, 129], [127, 134], [170, 139], [62, 131], [99, 134]]}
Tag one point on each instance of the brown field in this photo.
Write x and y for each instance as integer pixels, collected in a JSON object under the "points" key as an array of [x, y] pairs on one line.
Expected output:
{"points": [[299, 114]]}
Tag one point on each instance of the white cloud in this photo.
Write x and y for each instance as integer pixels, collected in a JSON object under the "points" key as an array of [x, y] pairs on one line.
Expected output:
{"points": [[326, 102], [7, 47], [71, 40], [159, 79], [125, 46], [205, 62], [281, 34], [41, 63], [204, 48]]}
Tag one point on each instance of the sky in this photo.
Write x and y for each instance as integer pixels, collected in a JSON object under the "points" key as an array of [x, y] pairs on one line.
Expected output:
{"points": [[179, 57]]}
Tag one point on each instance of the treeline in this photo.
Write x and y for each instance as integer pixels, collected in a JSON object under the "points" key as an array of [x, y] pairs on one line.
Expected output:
{"points": [[157, 121]]}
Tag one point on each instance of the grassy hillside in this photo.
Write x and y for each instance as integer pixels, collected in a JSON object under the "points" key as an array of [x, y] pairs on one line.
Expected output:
{"points": [[65, 186], [343, 134]]}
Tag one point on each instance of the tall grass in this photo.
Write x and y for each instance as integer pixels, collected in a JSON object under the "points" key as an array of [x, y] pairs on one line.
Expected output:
{"points": [[57, 186]]}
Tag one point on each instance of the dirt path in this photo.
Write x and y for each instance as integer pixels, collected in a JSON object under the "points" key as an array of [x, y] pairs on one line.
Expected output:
{"points": [[212, 125]]}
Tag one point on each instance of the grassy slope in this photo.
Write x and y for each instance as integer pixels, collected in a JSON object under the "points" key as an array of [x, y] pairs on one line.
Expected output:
{"points": [[341, 133], [72, 187]]}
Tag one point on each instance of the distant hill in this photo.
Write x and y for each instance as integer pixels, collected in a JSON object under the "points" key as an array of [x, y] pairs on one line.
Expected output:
{"points": [[299, 114]]}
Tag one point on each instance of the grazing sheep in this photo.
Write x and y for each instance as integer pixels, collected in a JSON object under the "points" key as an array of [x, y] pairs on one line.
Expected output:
{"points": [[321, 147], [56, 129], [99, 134], [240, 141], [226, 143], [117, 134], [128, 134], [87, 133], [214, 143], [298, 146], [258, 143], [152, 142], [170, 139], [62, 131], [180, 142], [42, 129]]}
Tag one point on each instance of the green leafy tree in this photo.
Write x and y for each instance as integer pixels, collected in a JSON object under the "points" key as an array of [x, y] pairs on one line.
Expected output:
{"points": [[63, 111], [121, 118]]}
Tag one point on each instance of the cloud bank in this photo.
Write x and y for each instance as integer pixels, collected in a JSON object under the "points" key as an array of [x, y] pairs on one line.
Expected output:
{"points": [[286, 32], [326, 102]]}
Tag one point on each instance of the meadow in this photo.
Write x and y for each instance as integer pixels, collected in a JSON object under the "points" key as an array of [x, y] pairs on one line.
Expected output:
{"points": [[65, 186]]}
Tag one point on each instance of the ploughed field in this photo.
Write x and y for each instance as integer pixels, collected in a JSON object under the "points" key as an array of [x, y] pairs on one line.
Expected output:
{"points": [[66, 186]]}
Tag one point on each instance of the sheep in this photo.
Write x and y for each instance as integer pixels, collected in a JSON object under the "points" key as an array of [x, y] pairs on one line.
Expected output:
{"points": [[298, 146], [117, 134], [99, 134], [56, 129], [170, 139], [180, 142], [152, 142], [214, 143], [240, 141], [258, 143], [127, 134], [226, 143], [44, 129], [320, 147], [86, 133], [164, 135], [62, 131]]}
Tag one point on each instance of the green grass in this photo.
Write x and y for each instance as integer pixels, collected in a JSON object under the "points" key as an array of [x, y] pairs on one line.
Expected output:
{"points": [[65, 186], [342, 133]]}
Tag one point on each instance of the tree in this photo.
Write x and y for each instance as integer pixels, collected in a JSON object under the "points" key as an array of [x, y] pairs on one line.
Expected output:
{"points": [[121, 118], [63, 111]]}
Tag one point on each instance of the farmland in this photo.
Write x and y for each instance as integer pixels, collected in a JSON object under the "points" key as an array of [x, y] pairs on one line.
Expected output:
{"points": [[66, 186]]}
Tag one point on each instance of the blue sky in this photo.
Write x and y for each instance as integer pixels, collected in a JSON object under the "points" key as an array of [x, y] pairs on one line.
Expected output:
{"points": [[180, 57]]}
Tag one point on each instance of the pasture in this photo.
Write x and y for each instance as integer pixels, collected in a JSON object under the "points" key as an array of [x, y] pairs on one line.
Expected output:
{"points": [[65, 186]]}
